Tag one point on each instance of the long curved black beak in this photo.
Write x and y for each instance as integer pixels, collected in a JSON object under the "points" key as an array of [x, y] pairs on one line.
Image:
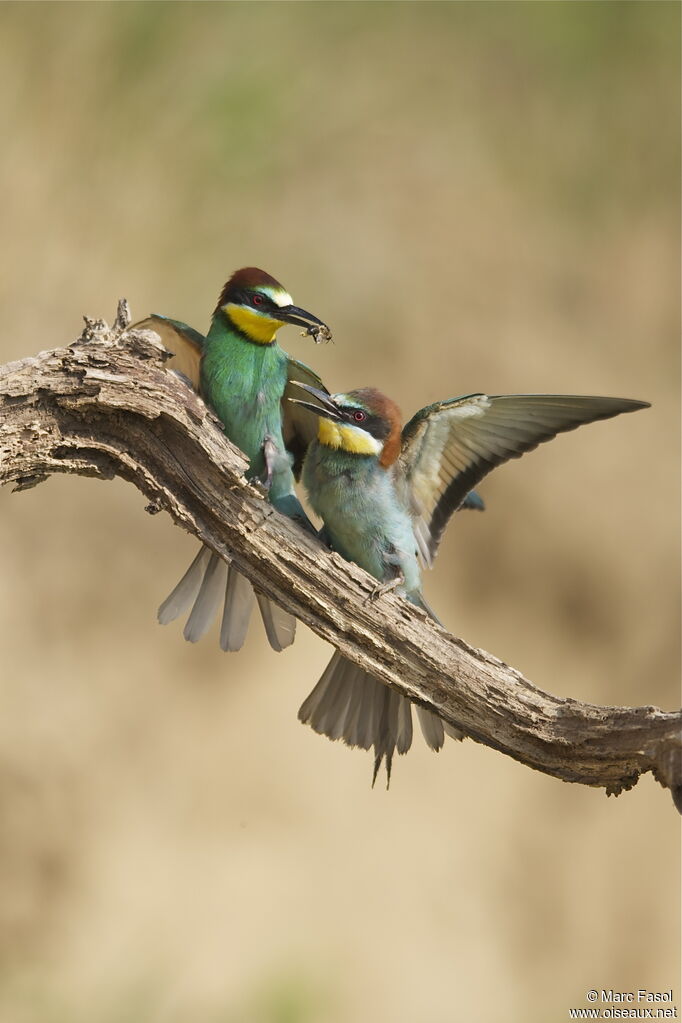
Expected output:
{"points": [[318, 330], [327, 407]]}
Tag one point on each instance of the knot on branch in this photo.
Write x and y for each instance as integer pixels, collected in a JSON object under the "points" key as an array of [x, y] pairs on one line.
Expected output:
{"points": [[143, 343]]}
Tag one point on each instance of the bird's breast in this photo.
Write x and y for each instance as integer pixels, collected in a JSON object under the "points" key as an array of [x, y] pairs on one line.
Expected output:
{"points": [[244, 385], [364, 519]]}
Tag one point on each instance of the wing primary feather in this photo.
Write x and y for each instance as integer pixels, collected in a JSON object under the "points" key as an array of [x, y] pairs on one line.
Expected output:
{"points": [[299, 425], [184, 342], [449, 447]]}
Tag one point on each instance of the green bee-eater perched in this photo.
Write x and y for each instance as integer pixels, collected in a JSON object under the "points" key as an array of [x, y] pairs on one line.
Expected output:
{"points": [[244, 375], [386, 495]]}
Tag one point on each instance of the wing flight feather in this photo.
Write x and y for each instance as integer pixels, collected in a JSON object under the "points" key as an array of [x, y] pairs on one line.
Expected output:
{"points": [[447, 448], [184, 342], [299, 427]]}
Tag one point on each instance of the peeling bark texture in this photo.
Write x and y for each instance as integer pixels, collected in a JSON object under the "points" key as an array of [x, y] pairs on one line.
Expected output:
{"points": [[105, 406]]}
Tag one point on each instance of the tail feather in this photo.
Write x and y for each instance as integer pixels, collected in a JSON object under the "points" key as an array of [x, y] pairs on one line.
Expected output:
{"points": [[186, 590], [384, 748], [347, 703], [207, 603], [334, 702], [314, 707], [370, 722], [404, 732], [333, 706], [432, 728], [202, 587], [239, 597], [280, 626], [360, 699]]}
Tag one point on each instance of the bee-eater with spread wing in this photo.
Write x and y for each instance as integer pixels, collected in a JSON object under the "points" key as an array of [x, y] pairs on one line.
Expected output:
{"points": [[385, 496], [244, 375]]}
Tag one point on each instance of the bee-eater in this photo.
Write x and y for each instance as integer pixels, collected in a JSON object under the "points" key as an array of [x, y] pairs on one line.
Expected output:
{"points": [[243, 374], [385, 496]]}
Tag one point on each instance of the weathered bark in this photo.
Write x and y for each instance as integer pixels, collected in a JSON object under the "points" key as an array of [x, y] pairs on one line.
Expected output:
{"points": [[105, 406]]}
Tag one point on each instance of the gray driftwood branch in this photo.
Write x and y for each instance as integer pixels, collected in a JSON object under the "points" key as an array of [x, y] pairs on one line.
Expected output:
{"points": [[105, 406]]}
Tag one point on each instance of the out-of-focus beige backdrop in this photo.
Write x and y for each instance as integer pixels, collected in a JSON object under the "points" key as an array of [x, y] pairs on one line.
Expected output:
{"points": [[475, 197]]}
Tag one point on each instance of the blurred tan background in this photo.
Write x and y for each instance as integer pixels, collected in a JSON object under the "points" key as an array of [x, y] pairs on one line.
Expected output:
{"points": [[475, 197]]}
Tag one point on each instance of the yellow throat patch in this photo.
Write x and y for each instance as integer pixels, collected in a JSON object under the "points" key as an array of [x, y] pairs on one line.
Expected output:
{"points": [[347, 438], [257, 327]]}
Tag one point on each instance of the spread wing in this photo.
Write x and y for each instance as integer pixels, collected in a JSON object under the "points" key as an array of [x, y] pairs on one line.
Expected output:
{"points": [[184, 342], [299, 426], [447, 448]]}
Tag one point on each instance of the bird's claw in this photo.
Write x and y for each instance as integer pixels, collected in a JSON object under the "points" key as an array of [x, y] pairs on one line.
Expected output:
{"points": [[262, 486], [381, 588], [270, 455]]}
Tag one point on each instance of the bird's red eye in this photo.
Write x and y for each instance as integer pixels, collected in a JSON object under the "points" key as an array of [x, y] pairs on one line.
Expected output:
{"points": [[359, 416], [257, 299]]}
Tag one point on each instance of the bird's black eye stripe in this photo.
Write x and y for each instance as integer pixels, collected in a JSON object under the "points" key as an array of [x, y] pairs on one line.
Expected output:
{"points": [[374, 425], [256, 299]]}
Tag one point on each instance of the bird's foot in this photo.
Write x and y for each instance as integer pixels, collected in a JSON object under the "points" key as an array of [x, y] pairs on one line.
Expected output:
{"points": [[271, 454], [261, 486], [381, 588]]}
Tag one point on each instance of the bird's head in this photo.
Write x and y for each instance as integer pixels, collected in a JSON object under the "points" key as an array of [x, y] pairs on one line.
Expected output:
{"points": [[362, 422], [257, 305]]}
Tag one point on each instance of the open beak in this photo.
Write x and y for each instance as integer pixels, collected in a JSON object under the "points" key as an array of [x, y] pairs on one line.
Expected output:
{"points": [[326, 408], [318, 330]]}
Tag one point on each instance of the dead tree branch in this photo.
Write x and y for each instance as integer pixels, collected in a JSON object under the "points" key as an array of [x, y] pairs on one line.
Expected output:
{"points": [[104, 406]]}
